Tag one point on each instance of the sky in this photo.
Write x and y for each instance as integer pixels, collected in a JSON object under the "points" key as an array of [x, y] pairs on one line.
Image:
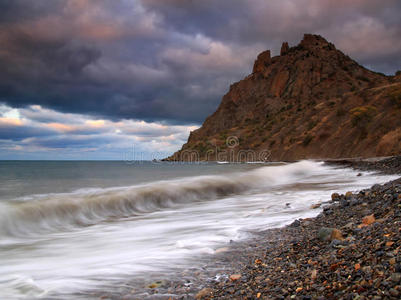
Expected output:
{"points": [[107, 79]]}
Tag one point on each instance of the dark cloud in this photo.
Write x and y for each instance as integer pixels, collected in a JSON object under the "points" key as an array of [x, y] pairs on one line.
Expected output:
{"points": [[171, 60], [17, 10], [62, 142], [18, 133]]}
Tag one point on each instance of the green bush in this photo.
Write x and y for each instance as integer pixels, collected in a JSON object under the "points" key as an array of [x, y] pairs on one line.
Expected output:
{"points": [[362, 115]]}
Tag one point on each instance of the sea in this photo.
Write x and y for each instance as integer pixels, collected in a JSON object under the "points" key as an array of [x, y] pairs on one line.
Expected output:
{"points": [[72, 228]]}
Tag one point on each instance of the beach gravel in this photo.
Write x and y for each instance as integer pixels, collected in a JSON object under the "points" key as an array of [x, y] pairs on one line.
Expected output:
{"points": [[352, 250]]}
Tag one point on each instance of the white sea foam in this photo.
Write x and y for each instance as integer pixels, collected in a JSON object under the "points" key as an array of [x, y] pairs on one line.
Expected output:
{"points": [[60, 244], [58, 212]]}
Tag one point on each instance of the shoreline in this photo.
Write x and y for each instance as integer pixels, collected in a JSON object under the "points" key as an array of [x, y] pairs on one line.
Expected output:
{"points": [[352, 250], [291, 262]]}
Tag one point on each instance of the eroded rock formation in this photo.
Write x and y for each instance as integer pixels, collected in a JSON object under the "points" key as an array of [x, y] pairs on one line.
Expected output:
{"points": [[312, 101]]}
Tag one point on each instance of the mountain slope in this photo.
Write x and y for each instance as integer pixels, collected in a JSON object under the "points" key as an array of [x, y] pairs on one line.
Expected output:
{"points": [[312, 101]]}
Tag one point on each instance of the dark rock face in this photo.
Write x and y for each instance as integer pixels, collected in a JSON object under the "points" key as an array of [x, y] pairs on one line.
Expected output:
{"points": [[312, 101], [262, 61], [284, 49]]}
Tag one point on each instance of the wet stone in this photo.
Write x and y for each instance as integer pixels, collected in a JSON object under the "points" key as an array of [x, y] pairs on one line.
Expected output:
{"points": [[396, 277]]}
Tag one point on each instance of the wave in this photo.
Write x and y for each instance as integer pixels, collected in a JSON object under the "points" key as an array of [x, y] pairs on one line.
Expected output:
{"points": [[60, 212], [20, 286]]}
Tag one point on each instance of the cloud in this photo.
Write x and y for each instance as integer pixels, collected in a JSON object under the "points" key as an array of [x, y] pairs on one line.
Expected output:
{"points": [[29, 131], [17, 132], [6, 121], [168, 62]]}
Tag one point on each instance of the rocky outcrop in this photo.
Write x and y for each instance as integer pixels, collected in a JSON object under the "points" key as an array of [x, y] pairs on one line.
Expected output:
{"points": [[312, 101], [262, 61], [284, 49]]}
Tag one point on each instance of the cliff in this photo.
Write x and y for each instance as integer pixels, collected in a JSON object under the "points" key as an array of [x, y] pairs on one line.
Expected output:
{"points": [[312, 101]]}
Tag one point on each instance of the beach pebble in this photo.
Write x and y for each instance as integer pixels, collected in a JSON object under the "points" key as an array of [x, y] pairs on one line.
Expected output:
{"points": [[394, 292], [206, 292], [348, 195], [329, 234], [368, 220], [335, 196], [396, 277], [235, 277], [221, 250]]}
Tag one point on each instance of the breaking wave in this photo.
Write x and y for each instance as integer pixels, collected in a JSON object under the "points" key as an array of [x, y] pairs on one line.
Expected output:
{"points": [[60, 212]]}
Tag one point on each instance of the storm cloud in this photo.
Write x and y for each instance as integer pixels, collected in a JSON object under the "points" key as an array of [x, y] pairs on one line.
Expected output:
{"points": [[169, 61]]}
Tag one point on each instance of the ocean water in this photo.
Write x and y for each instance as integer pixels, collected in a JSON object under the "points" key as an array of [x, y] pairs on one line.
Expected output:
{"points": [[73, 228]]}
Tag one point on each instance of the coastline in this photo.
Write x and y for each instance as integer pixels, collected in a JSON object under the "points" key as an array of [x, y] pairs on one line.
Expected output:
{"points": [[302, 261], [291, 262]]}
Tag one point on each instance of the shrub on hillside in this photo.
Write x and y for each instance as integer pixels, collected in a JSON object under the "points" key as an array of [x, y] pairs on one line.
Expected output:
{"points": [[362, 115], [395, 96]]}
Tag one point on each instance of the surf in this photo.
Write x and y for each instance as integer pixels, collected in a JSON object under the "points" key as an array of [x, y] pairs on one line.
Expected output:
{"points": [[59, 212]]}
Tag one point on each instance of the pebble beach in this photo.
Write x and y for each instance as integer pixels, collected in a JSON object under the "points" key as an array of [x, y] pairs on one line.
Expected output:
{"points": [[349, 251]]}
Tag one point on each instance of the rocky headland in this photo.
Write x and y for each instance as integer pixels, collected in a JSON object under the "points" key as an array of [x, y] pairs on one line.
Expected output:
{"points": [[311, 101]]}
